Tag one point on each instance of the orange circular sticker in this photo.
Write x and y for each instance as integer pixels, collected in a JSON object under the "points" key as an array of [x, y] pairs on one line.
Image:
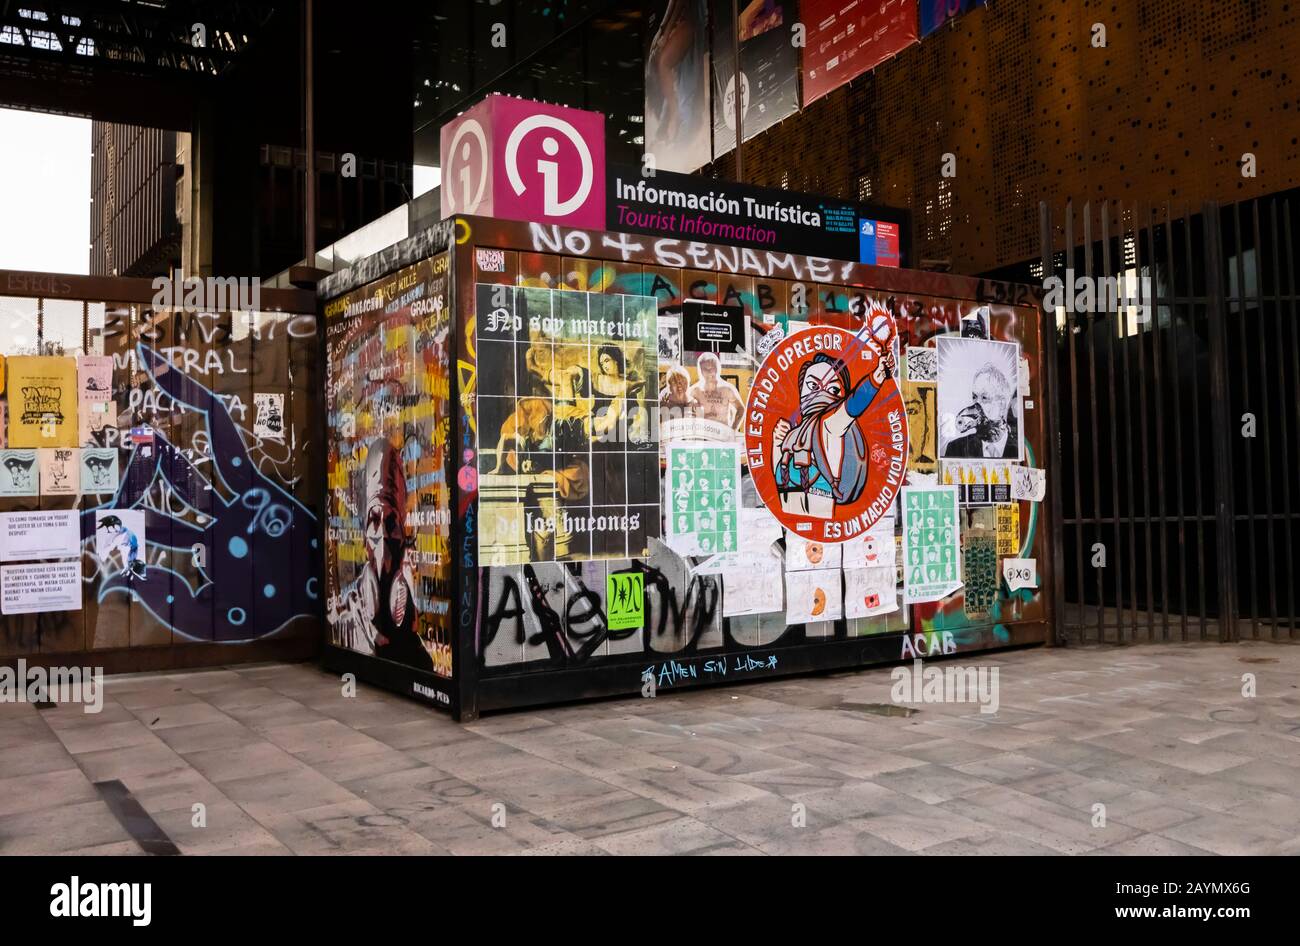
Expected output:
{"points": [[826, 430]]}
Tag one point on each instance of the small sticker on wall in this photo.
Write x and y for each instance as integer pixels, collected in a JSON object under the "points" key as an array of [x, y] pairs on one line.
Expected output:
{"points": [[922, 364], [269, 424], [60, 471], [1028, 483], [1020, 572], [625, 600]]}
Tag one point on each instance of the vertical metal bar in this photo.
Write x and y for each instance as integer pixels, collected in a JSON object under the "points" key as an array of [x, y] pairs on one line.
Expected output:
{"points": [[1282, 420], [1225, 527], [1158, 397], [1049, 355], [309, 132], [1266, 406], [1074, 409], [1294, 412], [1203, 578], [1090, 345], [1130, 346], [1144, 442], [1176, 381], [1116, 342], [738, 86], [1246, 448]]}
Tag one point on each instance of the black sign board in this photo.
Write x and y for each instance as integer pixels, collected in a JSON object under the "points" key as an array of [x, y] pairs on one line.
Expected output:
{"points": [[707, 326], [683, 207]]}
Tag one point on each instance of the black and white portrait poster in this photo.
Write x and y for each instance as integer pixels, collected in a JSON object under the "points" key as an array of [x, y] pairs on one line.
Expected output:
{"points": [[981, 415]]}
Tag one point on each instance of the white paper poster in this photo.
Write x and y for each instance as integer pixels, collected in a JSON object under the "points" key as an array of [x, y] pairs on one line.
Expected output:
{"points": [[60, 471], [874, 548], [99, 470], [269, 423], [120, 538], [981, 414], [750, 592], [39, 534], [931, 543], [813, 595], [801, 554], [870, 591], [704, 482], [1029, 483], [40, 587]]}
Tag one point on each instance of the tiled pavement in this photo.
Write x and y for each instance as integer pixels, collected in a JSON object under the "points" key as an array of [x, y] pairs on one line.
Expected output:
{"points": [[1161, 735]]}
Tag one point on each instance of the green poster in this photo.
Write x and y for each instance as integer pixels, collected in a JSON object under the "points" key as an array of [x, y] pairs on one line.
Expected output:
{"points": [[625, 600]]}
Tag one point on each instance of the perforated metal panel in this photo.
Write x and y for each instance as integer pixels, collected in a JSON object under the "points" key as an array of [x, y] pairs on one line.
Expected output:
{"points": [[1032, 111]]}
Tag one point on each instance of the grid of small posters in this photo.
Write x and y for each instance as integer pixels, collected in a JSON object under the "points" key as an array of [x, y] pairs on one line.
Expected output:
{"points": [[568, 461], [704, 481], [813, 595], [978, 482], [931, 543]]}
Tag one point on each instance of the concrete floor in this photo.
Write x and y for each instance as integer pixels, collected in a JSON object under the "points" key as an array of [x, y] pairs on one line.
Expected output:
{"points": [[1159, 734]]}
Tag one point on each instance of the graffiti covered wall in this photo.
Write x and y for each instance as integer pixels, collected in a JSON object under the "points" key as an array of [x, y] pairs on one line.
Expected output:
{"points": [[549, 615], [388, 564], [184, 456]]}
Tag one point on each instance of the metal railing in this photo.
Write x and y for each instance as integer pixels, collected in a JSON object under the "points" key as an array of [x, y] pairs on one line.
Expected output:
{"points": [[1177, 446]]}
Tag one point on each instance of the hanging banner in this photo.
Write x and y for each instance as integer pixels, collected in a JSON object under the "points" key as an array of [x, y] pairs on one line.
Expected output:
{"points": [[769, 69], [677, 114], [848, 37], [931, 543], [935, 13], [826, 430], [42, 401]]}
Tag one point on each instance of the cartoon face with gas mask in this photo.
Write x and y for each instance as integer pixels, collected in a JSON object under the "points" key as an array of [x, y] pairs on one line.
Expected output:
{"points": [[820, 454]]}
